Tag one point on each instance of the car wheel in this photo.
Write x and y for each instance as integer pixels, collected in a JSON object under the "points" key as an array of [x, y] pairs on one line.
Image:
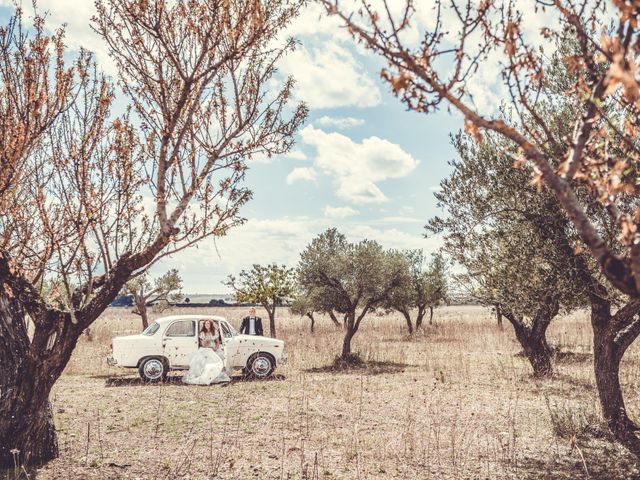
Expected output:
{"points": [[260, 365], [153, 370]]}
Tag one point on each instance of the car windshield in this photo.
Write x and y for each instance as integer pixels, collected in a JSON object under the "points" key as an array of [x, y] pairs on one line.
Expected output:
{"points": [[151, 329], [228, 330]]}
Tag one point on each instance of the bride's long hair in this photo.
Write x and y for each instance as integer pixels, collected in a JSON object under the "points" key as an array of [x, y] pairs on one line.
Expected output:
{"points": [[204, 327]]}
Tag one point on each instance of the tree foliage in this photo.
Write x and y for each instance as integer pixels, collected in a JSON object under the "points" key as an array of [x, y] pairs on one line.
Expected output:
{"points": [[516, 245], [425, 289], [165, 288], [303, 306], [269, 285], [351, 278]]}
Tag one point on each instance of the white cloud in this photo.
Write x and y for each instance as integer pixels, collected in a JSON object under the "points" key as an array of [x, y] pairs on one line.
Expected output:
{"points": [[393, 238], [296, 155], [265, 159], [340, 123], [280, 240], [307, 174], [75, 15], [313, 20], [399, 219], [406, 210], [357, 167], [339, 212], [329, 76]]}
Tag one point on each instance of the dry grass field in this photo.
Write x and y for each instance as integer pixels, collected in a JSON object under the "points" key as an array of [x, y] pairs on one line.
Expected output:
{"points": [[456, 401]]}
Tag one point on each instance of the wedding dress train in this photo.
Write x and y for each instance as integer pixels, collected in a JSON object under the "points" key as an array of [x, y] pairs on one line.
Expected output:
{"points": [[206, 367]]}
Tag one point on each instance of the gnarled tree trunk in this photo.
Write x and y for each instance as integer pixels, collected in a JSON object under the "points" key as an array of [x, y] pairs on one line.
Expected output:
{"points": [[271, 311], [420, 316], [346, 343], [334, 319], [430, 315], [498, 310], [532, 336], [313, 320], [141, 309], [352, 325], [28, 370], [407, 317], [612, 335], [30, 366]]}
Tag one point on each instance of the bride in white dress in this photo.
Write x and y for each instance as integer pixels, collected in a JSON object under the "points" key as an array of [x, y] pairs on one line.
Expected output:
{"points": [[207, 365]]}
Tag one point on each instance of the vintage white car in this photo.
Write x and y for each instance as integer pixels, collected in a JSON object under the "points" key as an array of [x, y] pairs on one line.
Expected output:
{"points": [[170, 342]]}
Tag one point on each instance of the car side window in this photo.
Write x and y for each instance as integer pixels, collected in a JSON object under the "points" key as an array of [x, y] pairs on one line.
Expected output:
{"points": [[225, 330], [181, 328]]}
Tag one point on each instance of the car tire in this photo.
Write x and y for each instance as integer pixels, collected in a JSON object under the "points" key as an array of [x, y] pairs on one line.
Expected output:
{"points": [[153, 370], [260, 365]]}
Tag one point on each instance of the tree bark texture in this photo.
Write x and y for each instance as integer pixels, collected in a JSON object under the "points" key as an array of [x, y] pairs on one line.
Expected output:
{"points": [[532, 336], [611, 337], [27, 431], [334, 319], [498, 309], [407, 317], [420, 317], [271, 311]]}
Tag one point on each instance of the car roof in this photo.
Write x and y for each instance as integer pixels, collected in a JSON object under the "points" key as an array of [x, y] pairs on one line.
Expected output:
{"points": [[171, 318]]}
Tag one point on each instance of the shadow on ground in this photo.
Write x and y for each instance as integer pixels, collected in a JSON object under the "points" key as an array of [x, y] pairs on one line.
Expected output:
{"points": [[364, 367], [176, 380], [564, 356], [595, 460]]}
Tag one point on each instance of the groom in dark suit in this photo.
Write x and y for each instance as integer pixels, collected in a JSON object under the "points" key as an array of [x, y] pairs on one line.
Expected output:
{"points": [[251, 325]]}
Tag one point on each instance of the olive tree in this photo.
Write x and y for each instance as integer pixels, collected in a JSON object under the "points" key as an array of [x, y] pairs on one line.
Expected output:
{"points": [[307, 303], [435, 287], [165, 288], [425, 291], [268, 285], [599, 155], [303, 306], [356, 278], [515, 244], [89, 199]]}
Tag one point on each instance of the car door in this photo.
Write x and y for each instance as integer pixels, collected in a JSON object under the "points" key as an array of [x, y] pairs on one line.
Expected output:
{"points": [[230, 343], [180, 343]]}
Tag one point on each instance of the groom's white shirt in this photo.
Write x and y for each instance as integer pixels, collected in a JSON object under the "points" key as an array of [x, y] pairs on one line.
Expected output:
{"points": [[252, 326]]}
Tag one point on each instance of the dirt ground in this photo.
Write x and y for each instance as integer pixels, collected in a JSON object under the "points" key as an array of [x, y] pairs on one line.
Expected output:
{"points": [[455, 401]]}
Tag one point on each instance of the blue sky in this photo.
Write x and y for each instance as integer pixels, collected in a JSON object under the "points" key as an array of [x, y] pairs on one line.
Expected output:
{"points": [[361, 163]]}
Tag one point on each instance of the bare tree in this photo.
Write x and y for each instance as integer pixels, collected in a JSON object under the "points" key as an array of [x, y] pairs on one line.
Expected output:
{"points": [[602, 155], [90, 199], [164, 288]]}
